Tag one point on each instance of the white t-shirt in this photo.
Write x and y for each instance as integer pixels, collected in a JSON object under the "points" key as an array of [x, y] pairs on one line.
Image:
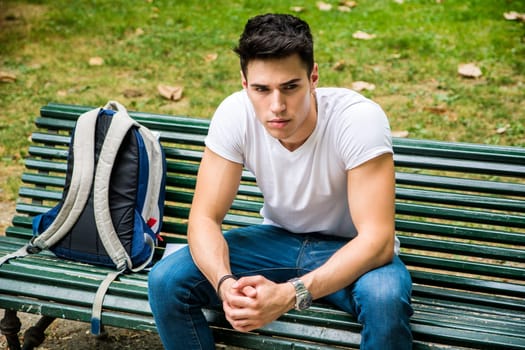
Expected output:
{"points": [[305, 191]]}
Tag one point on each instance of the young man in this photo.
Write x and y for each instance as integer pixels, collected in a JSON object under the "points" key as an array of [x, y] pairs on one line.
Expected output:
{"points": [[323, 160]]}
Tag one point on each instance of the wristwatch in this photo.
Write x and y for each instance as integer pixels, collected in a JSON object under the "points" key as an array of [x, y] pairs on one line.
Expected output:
{"points": [[303, 298]]}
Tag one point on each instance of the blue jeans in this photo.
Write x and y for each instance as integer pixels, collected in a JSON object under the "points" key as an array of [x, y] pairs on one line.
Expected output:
{"points": [[379, 299]]}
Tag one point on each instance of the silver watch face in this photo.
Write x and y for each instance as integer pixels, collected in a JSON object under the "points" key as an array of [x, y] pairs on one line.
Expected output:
{"points": [[304, 301], [303, 298]]}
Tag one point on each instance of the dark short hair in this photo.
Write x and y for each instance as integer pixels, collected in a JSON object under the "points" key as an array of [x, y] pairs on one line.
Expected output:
{"points": [[275, 36]]}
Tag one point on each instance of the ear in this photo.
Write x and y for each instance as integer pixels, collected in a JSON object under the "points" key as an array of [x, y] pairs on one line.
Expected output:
{"points": [[314, 77], [244, 81]]}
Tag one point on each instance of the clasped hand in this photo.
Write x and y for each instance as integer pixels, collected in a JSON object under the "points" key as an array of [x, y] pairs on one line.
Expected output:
{"points": [[254, 301]]}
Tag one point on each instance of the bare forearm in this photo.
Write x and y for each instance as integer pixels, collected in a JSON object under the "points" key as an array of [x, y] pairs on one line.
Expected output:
{"points": [[347, 265], [209, 250], [217, 184]]}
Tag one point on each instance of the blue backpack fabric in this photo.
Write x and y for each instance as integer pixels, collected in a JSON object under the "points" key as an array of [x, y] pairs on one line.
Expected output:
{"points": [[111, 209], [127, 196]]}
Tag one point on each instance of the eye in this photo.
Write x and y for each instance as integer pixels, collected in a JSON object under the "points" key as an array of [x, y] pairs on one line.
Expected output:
{"points": [[260, 88], [290, 87]]}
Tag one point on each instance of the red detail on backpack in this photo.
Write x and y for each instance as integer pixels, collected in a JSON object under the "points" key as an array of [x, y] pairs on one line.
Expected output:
{"points": [[151, 222]]}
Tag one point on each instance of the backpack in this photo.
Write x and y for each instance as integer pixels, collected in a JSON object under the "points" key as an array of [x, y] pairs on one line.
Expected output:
{"points": [[112, 204]]}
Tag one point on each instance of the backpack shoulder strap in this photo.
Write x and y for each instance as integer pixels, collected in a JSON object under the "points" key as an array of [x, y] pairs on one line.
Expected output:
{"points": [[155, 179], [120, 125], [80, 185]]}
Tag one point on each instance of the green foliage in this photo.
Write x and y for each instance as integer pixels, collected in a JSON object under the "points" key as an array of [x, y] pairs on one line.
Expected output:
{"points": [[412, 60]]}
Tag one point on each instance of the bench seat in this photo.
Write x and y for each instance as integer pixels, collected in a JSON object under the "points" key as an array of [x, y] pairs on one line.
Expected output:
{"points": [[460, 217]]}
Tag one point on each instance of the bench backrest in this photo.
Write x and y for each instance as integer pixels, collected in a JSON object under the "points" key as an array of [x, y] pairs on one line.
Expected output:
{"points": [[460, 207]]}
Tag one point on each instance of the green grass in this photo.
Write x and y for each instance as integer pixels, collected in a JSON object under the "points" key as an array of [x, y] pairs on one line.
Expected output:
{"points": [[412, 61]]}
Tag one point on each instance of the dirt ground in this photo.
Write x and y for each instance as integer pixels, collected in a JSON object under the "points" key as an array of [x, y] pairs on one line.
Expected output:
{"points": [[71, 335]]}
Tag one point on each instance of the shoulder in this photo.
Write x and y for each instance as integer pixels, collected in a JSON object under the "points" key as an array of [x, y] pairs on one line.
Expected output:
{"points": [[233, 102], [344, 108], [232, 110], [229, 124], [336, 101], [358, 127]]}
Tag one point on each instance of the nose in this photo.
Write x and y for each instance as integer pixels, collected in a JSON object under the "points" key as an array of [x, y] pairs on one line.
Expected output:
{"points": [[278, 104]]}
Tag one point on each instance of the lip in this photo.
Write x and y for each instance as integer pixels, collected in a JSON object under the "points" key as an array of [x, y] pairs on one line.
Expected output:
{"points": [[278, 123]]}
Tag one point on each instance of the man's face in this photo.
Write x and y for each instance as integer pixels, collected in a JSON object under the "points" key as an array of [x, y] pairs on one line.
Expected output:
{"points": [[282, 95]]}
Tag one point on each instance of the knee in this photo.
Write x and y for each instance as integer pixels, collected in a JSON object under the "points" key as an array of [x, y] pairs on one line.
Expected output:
{"points": [[385, 290], [394, 297], [159, 282], [167, 276], [157, 277]]}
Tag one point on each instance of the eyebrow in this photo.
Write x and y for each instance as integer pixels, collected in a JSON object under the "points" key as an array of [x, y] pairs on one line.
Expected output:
{"points": [[292, 81]]}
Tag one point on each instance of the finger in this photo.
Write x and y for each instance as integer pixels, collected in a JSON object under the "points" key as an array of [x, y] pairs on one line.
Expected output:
{"points": [[243, 325], [241, 303], [249, 291], [247, 281], [237, 318]]}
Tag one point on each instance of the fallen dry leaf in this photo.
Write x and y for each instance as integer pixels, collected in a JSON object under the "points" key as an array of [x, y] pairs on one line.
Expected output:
{"points": [[7, 77], [339, 65], [129, 93], [399, 1], [139, 31], [297, 9], [173, 93], [211, 57], [400, 133], [363, 35], [350, 4], [514, 16], [362, 85], [502, 129], [436, 109], [343, 8], [469, 70], [323, 6], [96, 61]]}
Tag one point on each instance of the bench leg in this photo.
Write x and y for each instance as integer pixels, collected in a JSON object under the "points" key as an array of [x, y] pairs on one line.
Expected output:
{"points": [[10, 327], [34, 336]]}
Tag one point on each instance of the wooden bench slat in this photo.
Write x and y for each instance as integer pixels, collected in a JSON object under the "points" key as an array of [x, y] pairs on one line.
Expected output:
{"points": [[43, 180], [460, 199], [468, 322], [439, 306], [478, 293], [265, 342], [45, 165], [463, 266], [474, 216], [50, 153], [460, 150], [452, 231], [467, 249], [50, 139], [470, 339], [305, 328], [455, 183], [459, 165], [40, 194], [73, 312], [460, 282]]}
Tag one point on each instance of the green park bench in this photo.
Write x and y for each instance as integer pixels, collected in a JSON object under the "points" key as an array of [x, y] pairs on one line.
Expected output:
{"points": [[460, 219]]}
